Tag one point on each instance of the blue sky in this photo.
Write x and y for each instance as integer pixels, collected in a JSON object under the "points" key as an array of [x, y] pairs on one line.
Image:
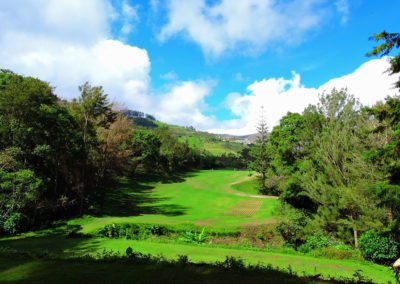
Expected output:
{"points": [[210, 64]]}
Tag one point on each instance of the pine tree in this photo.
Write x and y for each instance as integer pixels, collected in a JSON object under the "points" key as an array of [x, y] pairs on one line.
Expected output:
{"points": [[259, 152]]}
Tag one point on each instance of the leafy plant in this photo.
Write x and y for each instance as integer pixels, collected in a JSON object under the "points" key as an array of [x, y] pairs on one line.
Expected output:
{"points": [[15, 223], [232, 262], [194, 237], [315, 242], [132, 231], [378, 248]]}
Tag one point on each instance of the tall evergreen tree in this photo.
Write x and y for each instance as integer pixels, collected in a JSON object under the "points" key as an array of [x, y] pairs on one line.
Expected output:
{"points": [[260, 159]]}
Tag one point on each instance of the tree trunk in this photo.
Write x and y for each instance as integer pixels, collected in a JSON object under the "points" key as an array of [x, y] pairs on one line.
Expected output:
{"points": [[84, 167], [355, 233]]}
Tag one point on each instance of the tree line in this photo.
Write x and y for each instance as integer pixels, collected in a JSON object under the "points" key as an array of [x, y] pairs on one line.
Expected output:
{"points": [[59, 157], [336, 165]]}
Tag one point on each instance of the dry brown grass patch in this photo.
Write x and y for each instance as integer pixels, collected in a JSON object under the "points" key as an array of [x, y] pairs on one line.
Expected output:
{"points": [[245, 207]]}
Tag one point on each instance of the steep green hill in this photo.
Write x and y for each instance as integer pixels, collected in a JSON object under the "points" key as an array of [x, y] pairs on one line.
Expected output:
{"points": [[216, 144]]}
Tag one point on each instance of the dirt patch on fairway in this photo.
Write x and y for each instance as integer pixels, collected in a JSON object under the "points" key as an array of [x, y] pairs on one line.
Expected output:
{"points": [[245, 207], [258, 223]]}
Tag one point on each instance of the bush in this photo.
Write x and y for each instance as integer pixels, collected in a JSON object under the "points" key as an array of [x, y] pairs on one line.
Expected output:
{"points": [[194, 237], [378, 248], [232, 262], [132, 231], [315, 242], [183, 260], [292, 225], [15, 223]]}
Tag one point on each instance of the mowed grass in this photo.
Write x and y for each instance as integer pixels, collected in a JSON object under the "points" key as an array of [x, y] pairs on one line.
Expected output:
{"points": [[199, 198], [300, 264], [249, 186], [59, 271], [204, 199]]}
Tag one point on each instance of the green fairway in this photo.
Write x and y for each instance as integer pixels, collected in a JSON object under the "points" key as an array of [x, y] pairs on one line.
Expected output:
{"points": [[58, 271], [249, 186], [219, 200], [203, 198]]}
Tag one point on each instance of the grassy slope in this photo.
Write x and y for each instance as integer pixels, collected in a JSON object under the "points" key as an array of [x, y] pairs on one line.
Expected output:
{"points": [[206, 141], [197, 198], [40, 271], [203, 253], [247, 186]]}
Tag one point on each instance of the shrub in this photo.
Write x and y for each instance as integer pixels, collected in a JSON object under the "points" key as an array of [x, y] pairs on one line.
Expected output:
{"points": [[232, 262], [194, 237], [129, 252], [378, 248], [292, 225], [315, 242], [15, 223], [156, 230], [132, 231], [183, 260]]}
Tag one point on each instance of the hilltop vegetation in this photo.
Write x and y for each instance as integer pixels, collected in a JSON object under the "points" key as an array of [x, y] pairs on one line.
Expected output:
{"points": [[215, 144]]}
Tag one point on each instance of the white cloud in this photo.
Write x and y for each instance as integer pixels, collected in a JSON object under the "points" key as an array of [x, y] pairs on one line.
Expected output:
{"points": [[67, 43], [184, 104], [248, 25], [368, 83], [169, 76], [343, 8], [129, 16]]}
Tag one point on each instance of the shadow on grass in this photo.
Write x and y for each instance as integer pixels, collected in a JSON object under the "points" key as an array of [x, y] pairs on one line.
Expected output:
{"points": [[25, 270], [52, 243], [134, 197]]}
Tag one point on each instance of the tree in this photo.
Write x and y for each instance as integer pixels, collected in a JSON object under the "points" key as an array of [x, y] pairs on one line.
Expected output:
{"points": [[259, 155], [114, 151], [289, 144], [37, 136], [385, 152], [391, 40], [20, 190], [92, 110], [145, 150], [336, 176]]}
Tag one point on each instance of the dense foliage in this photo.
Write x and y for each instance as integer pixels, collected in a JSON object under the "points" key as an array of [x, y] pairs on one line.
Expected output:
{"points": [[336, 165], [58, 158], [378, 248]]}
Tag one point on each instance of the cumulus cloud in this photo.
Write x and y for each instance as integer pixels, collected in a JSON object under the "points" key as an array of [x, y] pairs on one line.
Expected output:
{"points": [[68, 42], [184, 104], [369, 83], [252, 24]]}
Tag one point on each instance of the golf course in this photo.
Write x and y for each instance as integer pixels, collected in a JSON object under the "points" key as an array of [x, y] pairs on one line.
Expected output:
{"points": [[218, 203]]}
